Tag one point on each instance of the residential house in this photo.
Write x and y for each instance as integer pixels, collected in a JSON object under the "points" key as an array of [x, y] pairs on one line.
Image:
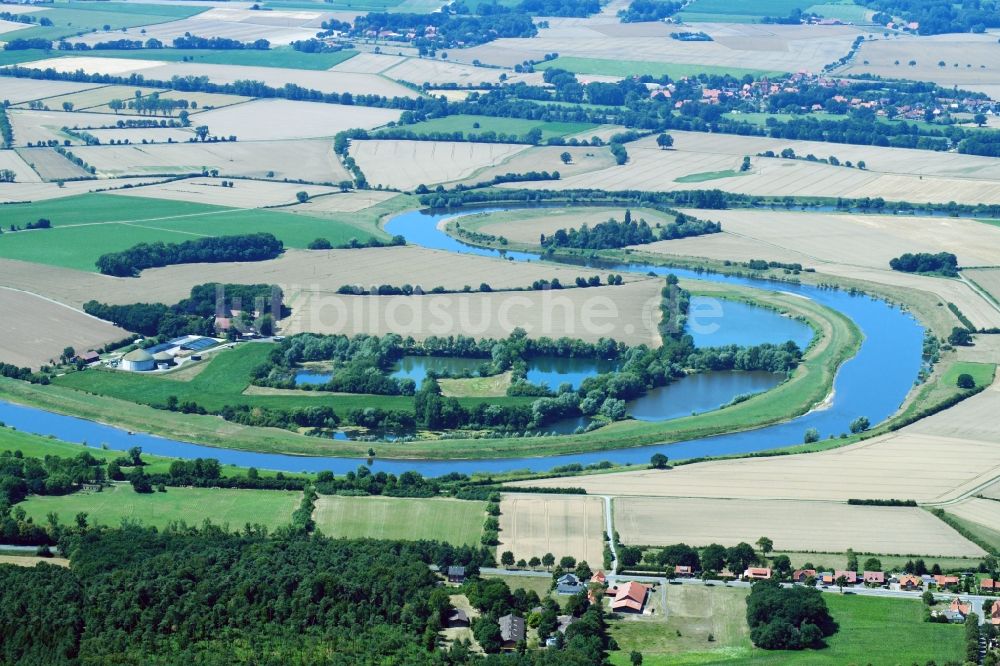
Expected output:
{"points": [[850, 577], [956, 611], [511, 631], [456, 574], [874, 578], [909, 583], [569, 584], [458, 618], [629, 598], [800, 575], [994, 616], [684, 571], [944, 582], [989, 585], [757, 573], [599, 578]]}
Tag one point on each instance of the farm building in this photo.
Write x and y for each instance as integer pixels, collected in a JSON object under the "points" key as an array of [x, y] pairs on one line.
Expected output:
{"points": [[629, 598], [138, 360]]}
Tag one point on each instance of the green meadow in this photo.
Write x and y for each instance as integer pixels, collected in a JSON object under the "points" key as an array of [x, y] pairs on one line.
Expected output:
{"points": [[458, 522], [518, 126], [275, 57], [71, 18], [644, 67]]}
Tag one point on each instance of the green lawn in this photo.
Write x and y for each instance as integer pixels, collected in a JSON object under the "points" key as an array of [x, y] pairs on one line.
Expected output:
{"points": [[872, 631], [271, 508], [709, 175], [275, 57], [27, 55], [845, 10], [458, 522], [982, 373], [71, 18], [640, 68], [466, 124], [827, 561], [89, 225]]}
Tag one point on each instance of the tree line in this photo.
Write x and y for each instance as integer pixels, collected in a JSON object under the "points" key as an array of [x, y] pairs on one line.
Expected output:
{"points": [[212, 249], [942, 263]]}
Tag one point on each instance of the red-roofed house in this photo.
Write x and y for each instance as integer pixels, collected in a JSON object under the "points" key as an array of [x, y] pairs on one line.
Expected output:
{"points": [[630, 597], [958, 607], [946, 581], [908, 582], [800, 575], [874, 578], [994, 617], [599, 578], [851, 577], [757, 573], [683, 571], [989, 585]]}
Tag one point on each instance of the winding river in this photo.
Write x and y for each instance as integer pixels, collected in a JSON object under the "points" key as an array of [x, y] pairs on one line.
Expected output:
{"points": [[873, 384]]}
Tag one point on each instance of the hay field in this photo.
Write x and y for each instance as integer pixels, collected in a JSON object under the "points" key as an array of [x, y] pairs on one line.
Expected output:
{"points": [[628, 313], [985, 512], [297, 271], [243, 194], [987, 278], [546, 158], [34, 329], [50, 165], [95, 97], [291, 120], [17, 91], [960, 441], [893, 173], [533, 525], [309, 160], [406, 164], [525, 226], [11, 160], [344, 202], [796, 526], [34, 191], [975, 57], [368, 63], [735, 46], [458, 522], [137, 135], [31, 560], [273, 76]]}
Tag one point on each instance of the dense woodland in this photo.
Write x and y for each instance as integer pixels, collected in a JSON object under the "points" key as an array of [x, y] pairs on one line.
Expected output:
{"points": [[792, 618], [939, 16], [212, 249], [615, 234], [943, 263]]}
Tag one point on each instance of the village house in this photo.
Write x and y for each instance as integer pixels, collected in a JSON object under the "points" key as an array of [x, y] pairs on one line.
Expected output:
{"points": [[458, 618], [874, 578], [629, 598], [909, 583], [511, 631], [989, 585], [994, 615], [800, 575], [599, 578], [944, 582], [456, 574], [684, 571], [850, 577], [757, 573], [956, 611], [569, 584]]}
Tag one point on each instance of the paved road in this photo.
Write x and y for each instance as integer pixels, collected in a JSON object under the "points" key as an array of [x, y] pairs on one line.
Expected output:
{"points": [[610, 531]]}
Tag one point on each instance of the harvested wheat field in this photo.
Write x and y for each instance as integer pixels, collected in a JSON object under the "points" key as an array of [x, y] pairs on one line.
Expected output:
{"points": [[368, 63], [23, 172], [422, 70], [406, 164], [961, 441], [33, 127], [985, 512], [314, 271], [140, 135], [987, 278], [970, 60], [17, 91], [299, 120], [533, 525], [243, 193], [701, 160], [547, 158], [50, 165], [84, 100], [796, 526], [735, 46], [860, 240], [34, 330], [93, 65], [309, 160], [526, 226], [344, 202], [38, 191], [629, 313]]}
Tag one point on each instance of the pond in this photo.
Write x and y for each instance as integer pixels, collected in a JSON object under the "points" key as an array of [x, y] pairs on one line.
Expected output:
{"points": [[873, 383], [698, 393]]}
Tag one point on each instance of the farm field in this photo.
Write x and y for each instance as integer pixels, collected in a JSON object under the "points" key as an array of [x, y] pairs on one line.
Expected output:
{"points": [[961, 440], [235, 508], [319, 271], [419, 71], [406, 164], [547, 158], [299, 120], [969, 60], [23, 172], [892, 173], [987, 278], [525, 226], [458, 522], [623, 68], [51, 166], [243, 194], [471, 125], [311, 160], [156, 70], [281, 57], [628, 313], [41, 329], [735, 46], [94, 97], [18, 91], [792, 526], [78, 245], [32, 127], [533, 525], [34, 190], [980, 516], [72, 18]]}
